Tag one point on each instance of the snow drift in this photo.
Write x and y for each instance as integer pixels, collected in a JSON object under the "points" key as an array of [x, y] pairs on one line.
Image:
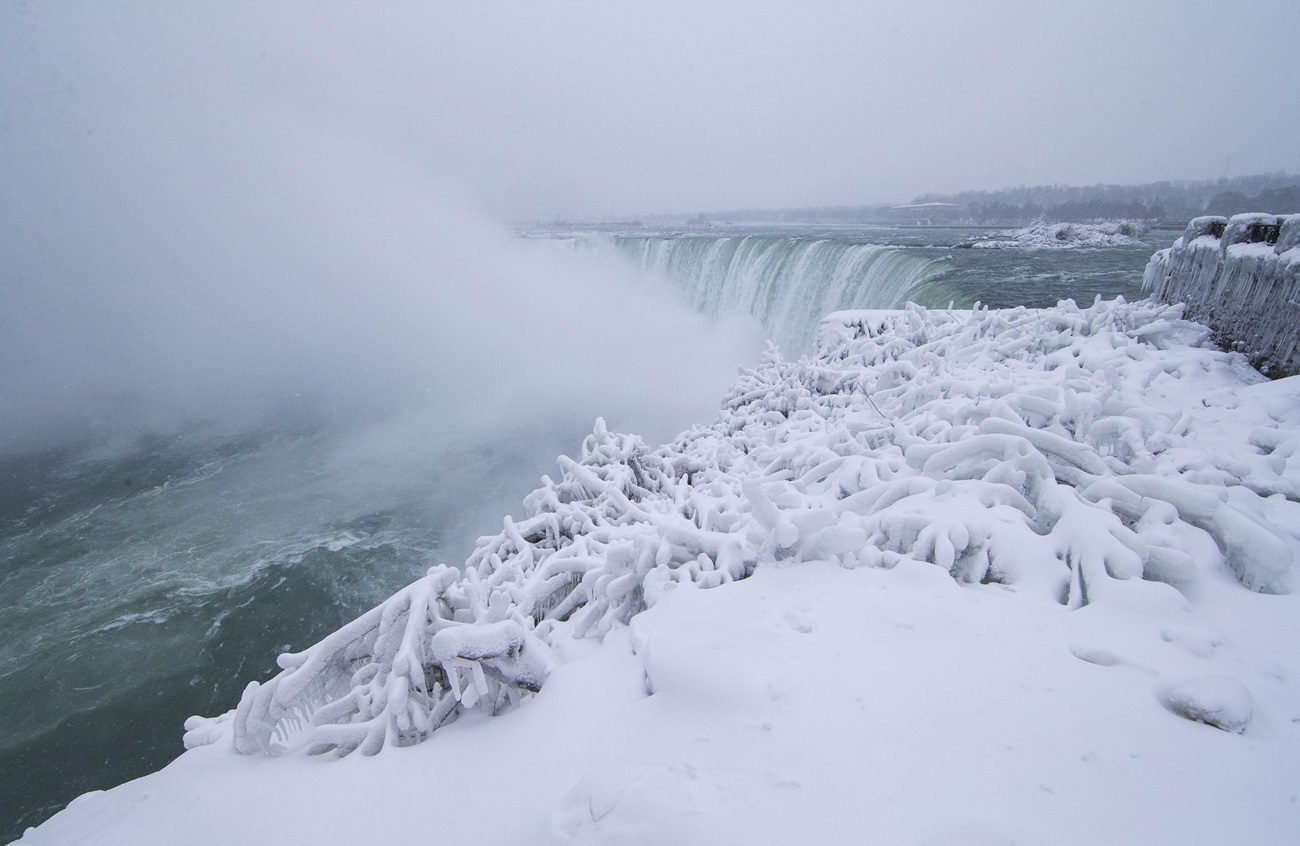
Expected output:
{"points": [[1055, 452], [1240, 276]]}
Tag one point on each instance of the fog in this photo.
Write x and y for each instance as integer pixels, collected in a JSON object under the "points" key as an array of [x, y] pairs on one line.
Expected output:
{"points": [[230, 212], [311, 275], [586, 108]]}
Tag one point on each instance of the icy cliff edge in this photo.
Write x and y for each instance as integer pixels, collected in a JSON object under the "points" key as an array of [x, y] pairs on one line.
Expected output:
{"points": [[1241, 276]]}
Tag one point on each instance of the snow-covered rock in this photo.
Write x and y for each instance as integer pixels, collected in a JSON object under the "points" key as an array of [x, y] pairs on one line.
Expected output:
{"points": [[1241, 276]]}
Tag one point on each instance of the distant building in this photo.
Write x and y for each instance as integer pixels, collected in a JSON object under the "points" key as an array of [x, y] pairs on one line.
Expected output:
{"points": [[925, 214]]}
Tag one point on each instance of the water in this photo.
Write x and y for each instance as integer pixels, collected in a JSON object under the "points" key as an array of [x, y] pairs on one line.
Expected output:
{"points": [[789, 277], [146, 583], [139, 587]]}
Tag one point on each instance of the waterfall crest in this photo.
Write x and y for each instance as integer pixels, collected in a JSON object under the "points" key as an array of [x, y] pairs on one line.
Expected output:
{"points": [[788, 283]]}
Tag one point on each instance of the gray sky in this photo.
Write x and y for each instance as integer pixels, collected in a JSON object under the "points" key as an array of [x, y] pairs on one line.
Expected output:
{"points": [[535, 109], [224, 211]]}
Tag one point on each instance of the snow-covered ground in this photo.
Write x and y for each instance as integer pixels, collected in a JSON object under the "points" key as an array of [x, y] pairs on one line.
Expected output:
{"points": [[1062, 235], [977, 577]]}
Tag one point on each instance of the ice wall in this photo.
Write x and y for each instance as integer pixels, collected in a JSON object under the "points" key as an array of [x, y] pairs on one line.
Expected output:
{"points": [[1241, 277]]}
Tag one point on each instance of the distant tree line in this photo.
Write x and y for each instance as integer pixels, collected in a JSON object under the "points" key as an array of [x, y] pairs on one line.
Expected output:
{"points": [[1278, 193]]}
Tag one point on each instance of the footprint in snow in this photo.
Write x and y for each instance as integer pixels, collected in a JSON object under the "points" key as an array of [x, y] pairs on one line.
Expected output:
{"points": [[800, 620], [1100, 657]]}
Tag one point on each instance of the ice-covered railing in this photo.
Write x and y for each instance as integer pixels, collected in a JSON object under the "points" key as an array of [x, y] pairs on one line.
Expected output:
{"points": [[1241, 276], [1067, 454]]}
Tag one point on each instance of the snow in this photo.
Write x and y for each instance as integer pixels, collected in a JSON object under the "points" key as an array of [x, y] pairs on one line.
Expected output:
{"points": [[1043, 235], [1218, 701], [955, 579]]}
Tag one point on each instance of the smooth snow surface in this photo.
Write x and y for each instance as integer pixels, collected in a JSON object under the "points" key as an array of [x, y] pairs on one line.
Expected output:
{"points": [[982, 577]]}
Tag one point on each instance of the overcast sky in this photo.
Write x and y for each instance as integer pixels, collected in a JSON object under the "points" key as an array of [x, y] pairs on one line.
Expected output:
{"points": [[582, 109]]}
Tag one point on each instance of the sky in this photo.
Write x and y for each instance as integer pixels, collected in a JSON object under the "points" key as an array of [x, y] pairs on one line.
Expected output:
{"points": [[224, 211], [532, 110]]}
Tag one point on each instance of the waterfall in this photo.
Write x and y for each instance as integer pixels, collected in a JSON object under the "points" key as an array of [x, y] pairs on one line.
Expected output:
{"points": [[788, 283]]}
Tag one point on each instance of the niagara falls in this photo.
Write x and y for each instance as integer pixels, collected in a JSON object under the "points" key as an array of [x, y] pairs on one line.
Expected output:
{"points": [[663, 424]]}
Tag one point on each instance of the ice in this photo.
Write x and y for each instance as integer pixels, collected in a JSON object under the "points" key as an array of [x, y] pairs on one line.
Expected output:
{"points": [[1061, 453], [1242, 277]]}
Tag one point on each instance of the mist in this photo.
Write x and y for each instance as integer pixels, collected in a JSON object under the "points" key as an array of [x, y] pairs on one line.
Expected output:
{"points": [[284, 269], [179, 247], [294, 210]]}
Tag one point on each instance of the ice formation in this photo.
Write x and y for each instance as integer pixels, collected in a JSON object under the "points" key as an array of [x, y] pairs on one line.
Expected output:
{"points": [[1062, 235], [1091, 457], [1242, 277]]}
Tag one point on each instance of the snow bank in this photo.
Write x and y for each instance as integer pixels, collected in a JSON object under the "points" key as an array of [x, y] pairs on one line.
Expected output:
{"points": [[976, 564], [1241, 276], [1062, 235]]}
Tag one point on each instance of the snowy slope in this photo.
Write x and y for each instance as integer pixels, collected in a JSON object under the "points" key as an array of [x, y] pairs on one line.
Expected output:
{"points": [[979, 577]]}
